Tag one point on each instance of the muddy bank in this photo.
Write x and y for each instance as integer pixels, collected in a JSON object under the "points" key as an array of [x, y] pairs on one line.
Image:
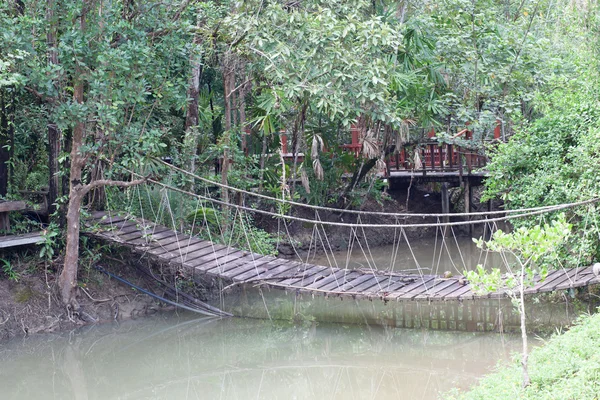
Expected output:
{"points": [[422, 199], [29, 302]]}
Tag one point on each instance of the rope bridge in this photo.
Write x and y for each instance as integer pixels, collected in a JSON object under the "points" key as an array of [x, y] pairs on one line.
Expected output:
{"points": [[200, 252]]}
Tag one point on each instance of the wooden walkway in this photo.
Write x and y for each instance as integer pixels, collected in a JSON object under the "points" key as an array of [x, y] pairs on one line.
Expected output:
{"points": [[233, 266]]}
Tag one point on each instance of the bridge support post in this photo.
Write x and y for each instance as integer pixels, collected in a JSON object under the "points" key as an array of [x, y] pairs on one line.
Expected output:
{"points": [[468, 201], [445, 206]]}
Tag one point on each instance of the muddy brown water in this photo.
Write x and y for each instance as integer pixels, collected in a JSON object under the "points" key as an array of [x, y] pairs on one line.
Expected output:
{"points": [[180, 357]]}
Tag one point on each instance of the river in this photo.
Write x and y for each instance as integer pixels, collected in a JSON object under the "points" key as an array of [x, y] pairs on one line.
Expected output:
{"points": [[181, 357], [422, 255]]}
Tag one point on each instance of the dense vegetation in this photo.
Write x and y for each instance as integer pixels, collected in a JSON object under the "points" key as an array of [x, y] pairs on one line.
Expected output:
{"points": [[567, 367], [91, 91]]}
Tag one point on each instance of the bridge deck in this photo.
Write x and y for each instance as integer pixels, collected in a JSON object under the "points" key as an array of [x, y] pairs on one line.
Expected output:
{"points": [[237, 266]]}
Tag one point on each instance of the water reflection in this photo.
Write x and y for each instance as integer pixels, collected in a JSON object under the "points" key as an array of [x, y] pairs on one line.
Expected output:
{"points": [[427, 255], [171, 357]]}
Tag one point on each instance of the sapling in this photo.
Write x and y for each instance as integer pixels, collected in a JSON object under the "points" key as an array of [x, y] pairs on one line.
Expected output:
{"points": [[526, 252]]}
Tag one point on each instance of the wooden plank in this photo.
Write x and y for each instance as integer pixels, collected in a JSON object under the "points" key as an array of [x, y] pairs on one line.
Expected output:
{"points": [[284, 270], [146, 239], [129, 228], [352, 283], [281, 276], [450, 289], [111, 220], [114, 228], [399, 284], [368, 284], [200, 263], [566, 277], [549, 278], [384, 285], [351, 275], [559, 276], [97, 214], [259, 271], [227, 265], [163, 239], [240, 268], [220, 257], [209, 253], [584, 281], [7, 206], [424, 289], [20, 240], [401, 293], [130, 236], [309, 276], [185, 246], [457, 293], [432, 293], [169, 255], [467, 294], [334, 277]]}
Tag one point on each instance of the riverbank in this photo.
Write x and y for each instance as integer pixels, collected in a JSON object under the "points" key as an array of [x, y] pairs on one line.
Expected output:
{"points": [[300, 238], [566, 367], [29, 302]]}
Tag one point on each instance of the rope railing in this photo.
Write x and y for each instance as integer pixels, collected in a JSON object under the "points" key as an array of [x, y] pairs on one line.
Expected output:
{"points": [[379, 213], [531, 212]]}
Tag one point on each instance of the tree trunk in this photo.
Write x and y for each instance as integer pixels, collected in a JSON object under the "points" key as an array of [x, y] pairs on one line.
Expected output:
{"points": [[263, 155], [526, 380], [4, 141], [192, 114], [67, 281], [68, 278], [53, 133], [228, 83]]}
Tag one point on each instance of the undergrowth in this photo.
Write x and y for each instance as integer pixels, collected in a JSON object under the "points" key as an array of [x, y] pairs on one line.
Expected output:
{"points": [[566, 367]]}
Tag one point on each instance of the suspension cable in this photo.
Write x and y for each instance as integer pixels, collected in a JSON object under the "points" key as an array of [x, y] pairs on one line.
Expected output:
{"points": [[382, 213], [357, 225]]}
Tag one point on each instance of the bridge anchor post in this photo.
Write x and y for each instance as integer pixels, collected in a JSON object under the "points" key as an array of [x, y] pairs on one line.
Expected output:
{"points": [[445, 207]]}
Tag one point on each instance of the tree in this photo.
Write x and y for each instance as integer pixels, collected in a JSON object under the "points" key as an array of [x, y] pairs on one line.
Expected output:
{"points": [[526, 252]]}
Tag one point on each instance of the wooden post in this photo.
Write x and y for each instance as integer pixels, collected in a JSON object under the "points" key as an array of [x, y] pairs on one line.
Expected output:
{"points": [[445, 206], [432, 156], [468, 200]]}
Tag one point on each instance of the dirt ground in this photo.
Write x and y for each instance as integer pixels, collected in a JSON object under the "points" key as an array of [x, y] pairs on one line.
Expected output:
{"points": [[30, 304]]}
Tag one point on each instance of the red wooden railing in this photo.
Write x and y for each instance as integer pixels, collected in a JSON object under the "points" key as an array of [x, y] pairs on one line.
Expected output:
{"points": [[436, 157]]}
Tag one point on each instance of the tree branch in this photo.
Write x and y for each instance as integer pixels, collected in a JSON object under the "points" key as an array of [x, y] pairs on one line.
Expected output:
{"points": [[108, 182]]}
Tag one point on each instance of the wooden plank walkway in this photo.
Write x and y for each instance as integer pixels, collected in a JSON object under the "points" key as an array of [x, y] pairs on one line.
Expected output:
{"points": [[20, 240], [236, 266]]}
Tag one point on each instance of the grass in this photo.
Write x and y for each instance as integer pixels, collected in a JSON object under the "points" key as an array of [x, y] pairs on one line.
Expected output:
{"points": [[567, 367]]}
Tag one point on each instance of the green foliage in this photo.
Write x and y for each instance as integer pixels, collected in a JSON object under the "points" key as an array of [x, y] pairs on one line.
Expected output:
{"points": [[50, 236], [566, 367], [552, 161], [9, 271], [532, 249]]}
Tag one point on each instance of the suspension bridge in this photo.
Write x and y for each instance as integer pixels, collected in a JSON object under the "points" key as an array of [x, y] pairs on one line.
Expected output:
{"points": [[205, 259]]}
